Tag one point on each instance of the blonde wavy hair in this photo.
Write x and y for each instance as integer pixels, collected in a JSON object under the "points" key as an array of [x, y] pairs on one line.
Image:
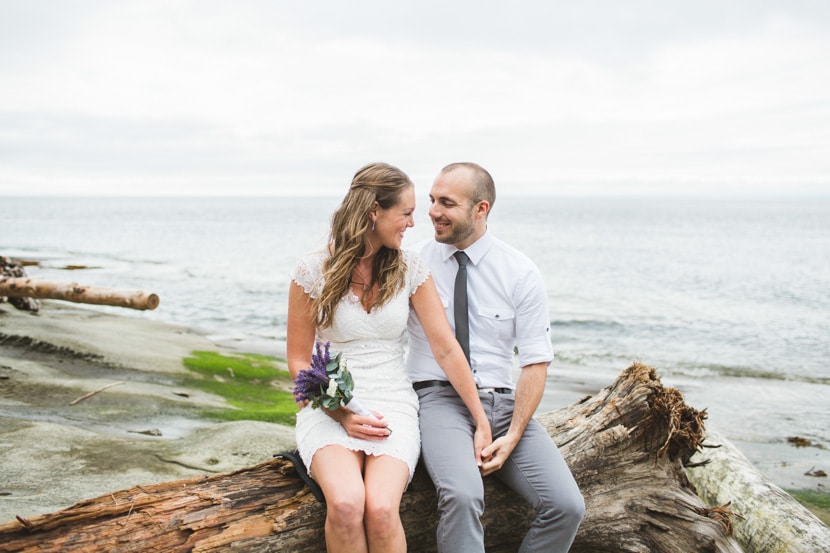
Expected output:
{"points": [[376, 182]]}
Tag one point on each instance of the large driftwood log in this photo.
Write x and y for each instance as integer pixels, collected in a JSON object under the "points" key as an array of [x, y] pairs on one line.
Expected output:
{"points": [[626, 447], [771, 520], [41, 289]]}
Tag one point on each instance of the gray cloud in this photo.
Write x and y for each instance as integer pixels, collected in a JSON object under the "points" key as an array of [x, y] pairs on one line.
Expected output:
{"points": [[279, 97]]}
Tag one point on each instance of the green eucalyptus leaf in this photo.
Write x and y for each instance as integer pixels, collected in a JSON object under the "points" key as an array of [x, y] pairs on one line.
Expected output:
{"points": [[347, 379]]}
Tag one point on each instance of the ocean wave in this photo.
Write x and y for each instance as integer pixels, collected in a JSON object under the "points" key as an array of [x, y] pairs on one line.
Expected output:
{"points": [[588, 323], [698, 370]]}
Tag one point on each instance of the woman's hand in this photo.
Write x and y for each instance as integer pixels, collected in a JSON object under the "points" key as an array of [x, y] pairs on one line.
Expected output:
{"points": [[362, 427], [482, 438]]}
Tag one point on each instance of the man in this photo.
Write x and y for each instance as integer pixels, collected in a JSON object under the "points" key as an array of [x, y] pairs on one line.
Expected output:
{"points": [[506, 309]]}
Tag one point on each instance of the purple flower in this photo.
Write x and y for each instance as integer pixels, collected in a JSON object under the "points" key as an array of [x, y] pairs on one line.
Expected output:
{"points": [[312, 382], [327, 383]]}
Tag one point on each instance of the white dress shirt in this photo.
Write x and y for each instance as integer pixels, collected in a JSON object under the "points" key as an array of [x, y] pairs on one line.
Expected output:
{"points": [[508, 309]]}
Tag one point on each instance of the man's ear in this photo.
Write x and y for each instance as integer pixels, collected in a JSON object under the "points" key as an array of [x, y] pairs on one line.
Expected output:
{"points": [[483, 208]]}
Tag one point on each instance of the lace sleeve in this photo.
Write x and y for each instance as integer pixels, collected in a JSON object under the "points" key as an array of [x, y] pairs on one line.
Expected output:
{"points": [[417, 270], [308, 273]]}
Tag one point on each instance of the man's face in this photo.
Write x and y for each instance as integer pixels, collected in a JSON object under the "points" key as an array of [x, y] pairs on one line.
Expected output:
{"points": [[452, 209]]}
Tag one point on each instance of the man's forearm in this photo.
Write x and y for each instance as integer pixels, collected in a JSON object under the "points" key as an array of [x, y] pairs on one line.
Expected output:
{"points": [[529, 390]]}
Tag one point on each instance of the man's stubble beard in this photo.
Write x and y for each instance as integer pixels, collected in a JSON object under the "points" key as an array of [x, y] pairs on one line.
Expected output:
{"points": [[457, 234]]}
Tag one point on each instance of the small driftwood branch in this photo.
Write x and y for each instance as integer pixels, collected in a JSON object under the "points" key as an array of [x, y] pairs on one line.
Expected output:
{"points": [[626, 447], [92, 393], [22, 287]]}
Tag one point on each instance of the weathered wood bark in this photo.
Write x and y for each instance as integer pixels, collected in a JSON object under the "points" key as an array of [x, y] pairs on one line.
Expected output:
{"points": [[770, 519], [9, 268], [626, 447], [30, 288]]}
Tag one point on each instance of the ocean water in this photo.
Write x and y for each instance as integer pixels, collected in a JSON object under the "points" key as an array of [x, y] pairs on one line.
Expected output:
{"points": [[728, 300]]}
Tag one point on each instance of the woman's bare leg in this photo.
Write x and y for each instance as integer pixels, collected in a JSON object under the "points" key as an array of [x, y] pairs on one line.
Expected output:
{"points": [[385, 479], [339, 472]]}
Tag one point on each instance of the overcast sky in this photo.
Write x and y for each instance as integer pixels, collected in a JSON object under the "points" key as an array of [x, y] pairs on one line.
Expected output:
{"points": [[287, 97]]}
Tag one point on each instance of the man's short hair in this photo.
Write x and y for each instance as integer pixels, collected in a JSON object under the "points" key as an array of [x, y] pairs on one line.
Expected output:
{"points": [[483, 186]]}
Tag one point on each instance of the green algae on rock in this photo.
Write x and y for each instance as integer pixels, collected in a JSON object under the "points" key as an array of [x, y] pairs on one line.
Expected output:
{"points": [[257, 386]]}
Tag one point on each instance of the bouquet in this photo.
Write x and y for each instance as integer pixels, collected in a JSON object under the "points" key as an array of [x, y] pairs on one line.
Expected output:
{"points": [[328, 383]]}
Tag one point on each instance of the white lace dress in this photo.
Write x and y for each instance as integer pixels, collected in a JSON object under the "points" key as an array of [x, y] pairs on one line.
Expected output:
{"points": [[372, 345]]}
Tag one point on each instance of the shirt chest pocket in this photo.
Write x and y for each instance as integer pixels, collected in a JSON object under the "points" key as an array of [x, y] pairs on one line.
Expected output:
{"points": [[499, 322]]}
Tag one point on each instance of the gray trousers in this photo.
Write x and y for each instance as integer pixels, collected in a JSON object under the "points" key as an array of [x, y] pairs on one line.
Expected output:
{"points": [[535, 470]]}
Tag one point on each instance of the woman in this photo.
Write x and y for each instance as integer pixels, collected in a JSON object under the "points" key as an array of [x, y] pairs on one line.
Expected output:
{"points": [[357, 296]]}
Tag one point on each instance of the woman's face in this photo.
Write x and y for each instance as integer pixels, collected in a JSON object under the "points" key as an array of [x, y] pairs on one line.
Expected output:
{"points": [[391, 224]]}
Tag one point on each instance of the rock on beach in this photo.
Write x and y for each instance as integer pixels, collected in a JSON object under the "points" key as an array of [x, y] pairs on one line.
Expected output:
{"points": [[138, 426]]}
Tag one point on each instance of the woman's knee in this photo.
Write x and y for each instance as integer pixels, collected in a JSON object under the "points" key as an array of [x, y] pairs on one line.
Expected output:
{"points": [[345, 510], [381, 517]]}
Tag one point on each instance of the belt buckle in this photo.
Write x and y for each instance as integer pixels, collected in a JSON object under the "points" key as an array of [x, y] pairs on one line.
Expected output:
{"points": [[495, 390]]}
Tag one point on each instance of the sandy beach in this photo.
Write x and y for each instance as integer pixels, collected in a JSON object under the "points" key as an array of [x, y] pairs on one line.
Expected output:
{"points": [[144, 425], [145, 428]]}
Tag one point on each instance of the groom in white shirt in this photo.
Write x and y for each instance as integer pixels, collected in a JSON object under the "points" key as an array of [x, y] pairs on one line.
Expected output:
{"points": [[506, 308]]}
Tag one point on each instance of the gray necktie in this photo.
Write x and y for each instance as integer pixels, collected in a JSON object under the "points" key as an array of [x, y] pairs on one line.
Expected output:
{"points": [[462, 320]]}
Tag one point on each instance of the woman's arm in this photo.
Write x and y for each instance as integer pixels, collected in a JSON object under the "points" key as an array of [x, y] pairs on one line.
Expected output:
{"points": [[450, 358], [529, 390], [300, 334]]}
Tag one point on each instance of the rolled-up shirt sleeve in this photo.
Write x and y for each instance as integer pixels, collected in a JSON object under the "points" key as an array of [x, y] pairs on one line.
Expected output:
{"points": [[533, 321]]}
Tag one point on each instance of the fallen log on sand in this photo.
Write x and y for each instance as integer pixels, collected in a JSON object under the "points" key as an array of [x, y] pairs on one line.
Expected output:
{"points": [[771, 520], [626, 446], [21, 287]]}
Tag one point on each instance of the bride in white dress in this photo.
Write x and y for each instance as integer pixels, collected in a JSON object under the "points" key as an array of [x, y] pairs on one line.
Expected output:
{"points": [[357, 296]]}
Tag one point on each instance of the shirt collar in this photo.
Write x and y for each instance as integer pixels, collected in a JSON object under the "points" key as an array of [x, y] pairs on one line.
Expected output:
{"points": [[474, 251]]}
